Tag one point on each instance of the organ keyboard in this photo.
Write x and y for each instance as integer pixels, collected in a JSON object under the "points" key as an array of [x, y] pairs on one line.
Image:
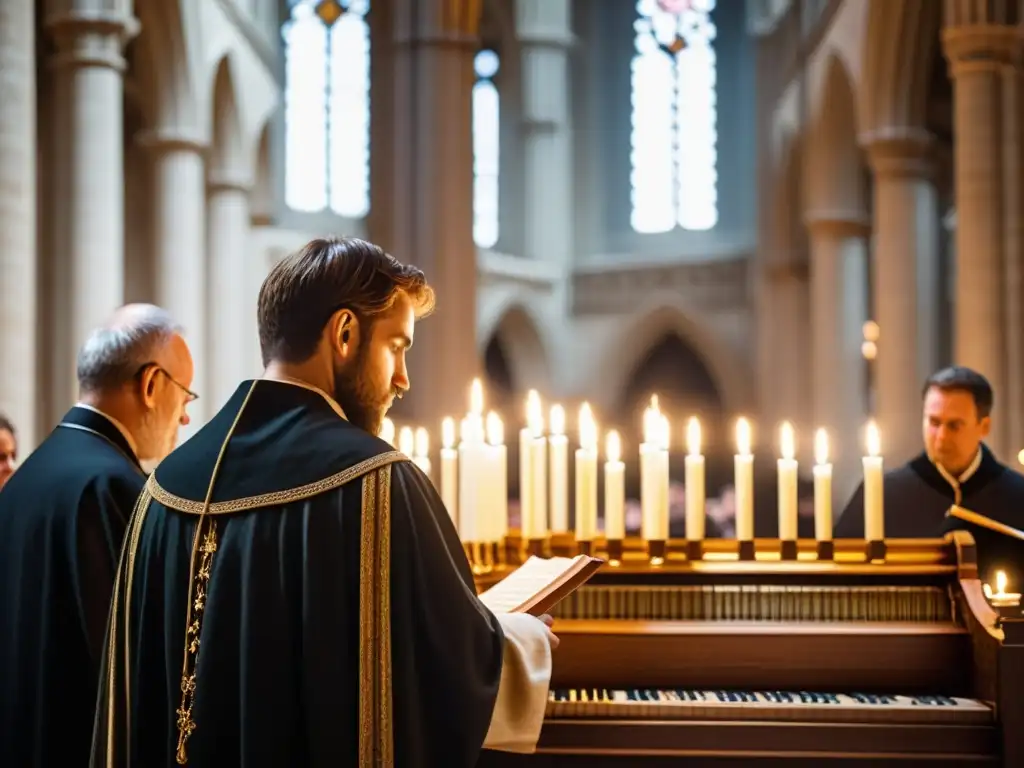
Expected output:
{"points": [[761, 662]]}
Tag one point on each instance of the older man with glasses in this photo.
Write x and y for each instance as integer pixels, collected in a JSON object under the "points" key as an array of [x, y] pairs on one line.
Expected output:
{"points": [[63, 516]]}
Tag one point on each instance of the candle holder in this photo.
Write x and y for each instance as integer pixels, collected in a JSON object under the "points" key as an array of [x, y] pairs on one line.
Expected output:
{"points": [[656, 551], [788, 549], [480, 560], [1007, 607], [875, 551], [563, 544], [826, 550], [585, 547], [695, 549], [535, 547], [614, 552], [746, 550]]}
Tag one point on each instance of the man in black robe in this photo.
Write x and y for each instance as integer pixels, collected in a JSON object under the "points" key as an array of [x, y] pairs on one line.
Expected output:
{"points": [[62, 521], [956, 468], [293, 592]]}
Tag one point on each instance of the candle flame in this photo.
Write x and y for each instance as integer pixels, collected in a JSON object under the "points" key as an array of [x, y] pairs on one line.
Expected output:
{"points": [[650, 424], [1000, 583], [422, 442], [613, 446], [821, 447], [693, 436], [874, 440], [448, 432], [655, 405], [495, 429], [588, 428], [662, 431], [476, 397], [387, 430], [557, 419], [406, 441], [743, 437], [787, 441], [534, 413]]}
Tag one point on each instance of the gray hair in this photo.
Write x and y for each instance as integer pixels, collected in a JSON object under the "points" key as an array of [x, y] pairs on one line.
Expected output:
{"points": [[116, 352]]}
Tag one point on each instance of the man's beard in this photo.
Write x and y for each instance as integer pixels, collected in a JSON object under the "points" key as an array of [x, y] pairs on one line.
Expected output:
{"points": [[354, 391]]}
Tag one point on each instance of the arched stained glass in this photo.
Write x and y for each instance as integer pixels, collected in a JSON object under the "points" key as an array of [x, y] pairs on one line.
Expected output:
{"points": [[486, 149], [327, 107], [674, 153]]}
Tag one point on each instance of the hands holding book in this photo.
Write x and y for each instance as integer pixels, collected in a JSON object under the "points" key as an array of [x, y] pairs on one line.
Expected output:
{"points": [[552, 637]]}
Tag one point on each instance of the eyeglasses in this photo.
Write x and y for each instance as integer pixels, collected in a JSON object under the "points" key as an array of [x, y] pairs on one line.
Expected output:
{"points": [[190, 396]]}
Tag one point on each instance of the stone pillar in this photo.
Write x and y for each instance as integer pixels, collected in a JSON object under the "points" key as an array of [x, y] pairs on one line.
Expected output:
{"points": [[980, 50], [87, 147], [179, 250], [18, 374], [422, 188], [544, 31], [907, 285], [839, 305]]}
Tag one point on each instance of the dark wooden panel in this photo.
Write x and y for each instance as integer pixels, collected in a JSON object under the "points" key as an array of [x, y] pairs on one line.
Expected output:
{"points": [[885, 658]]}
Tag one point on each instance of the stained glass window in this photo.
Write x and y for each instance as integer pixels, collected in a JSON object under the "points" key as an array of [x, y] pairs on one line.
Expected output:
{"points": [[327, 107], [486, 153], [674, 153]]}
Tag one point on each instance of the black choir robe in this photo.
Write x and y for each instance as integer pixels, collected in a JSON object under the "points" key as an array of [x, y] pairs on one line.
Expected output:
{"points": [[316, 610], [62, 521], [917, 498]]}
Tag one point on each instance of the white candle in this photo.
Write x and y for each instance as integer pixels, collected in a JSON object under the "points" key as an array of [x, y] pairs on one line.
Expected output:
{"points": [[499, 476], [421, 450], [743, 479], [586, 477], [532, 473], [469, 478], [874, 504], [449, 469], [558, 461], [695, 494], [654, 475], [787, 465], [614, 488], [387, 431], [822, 488]]}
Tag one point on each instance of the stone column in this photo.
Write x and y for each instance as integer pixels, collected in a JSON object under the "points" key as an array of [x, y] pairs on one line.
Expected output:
{"points": [[422, 188], [87, 147], [979, 50], [839, 305], [18, 374], [544, 30], [907, 285], [179, 249], [231, 309]]}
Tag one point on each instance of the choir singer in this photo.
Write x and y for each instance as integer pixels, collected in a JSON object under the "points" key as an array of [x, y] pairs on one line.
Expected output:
{"points": [[292, 590]]}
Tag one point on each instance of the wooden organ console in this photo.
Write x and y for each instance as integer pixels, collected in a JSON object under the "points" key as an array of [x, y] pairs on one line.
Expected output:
{"points": [[773, 660]]}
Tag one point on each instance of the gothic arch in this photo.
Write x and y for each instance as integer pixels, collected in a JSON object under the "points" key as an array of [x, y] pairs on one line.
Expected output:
{"points": [[627, 349], [516, 332], [262, 199], [899, 48], [834, 169], [167, 61], [227, 155]]}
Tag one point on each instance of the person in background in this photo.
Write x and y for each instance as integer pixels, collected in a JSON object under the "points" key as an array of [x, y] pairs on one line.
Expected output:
{"points": [[8, 450], [62, 522], [955, 468]]}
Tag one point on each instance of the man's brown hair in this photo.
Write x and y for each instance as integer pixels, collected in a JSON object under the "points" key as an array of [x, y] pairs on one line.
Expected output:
{"points": [[305, 289]]}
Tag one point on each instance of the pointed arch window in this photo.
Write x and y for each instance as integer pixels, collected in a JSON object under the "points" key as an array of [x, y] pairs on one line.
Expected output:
{"points": [[486, 149], [674, 154], [327, 107]]}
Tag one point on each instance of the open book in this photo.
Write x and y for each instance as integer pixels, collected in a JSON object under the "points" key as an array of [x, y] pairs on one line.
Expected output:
{"points": [[539, 584], [982, 521]]}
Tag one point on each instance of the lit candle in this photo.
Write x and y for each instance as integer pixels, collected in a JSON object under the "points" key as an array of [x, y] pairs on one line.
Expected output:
{"points": [[787, 465], [654, 475], [470, 470], [406, 442], [614, 488], [743, 478], [558, 460], [533, 457], [387, 431], [874, 498], [695, 494], [1001, 598], [498, 477], [586, 477], [449, 469], [526, 478], [421, 450], [822, 488]]}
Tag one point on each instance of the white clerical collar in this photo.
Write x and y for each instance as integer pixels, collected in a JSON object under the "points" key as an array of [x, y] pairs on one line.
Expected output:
{"points": [[120, 427], [966, 475]]}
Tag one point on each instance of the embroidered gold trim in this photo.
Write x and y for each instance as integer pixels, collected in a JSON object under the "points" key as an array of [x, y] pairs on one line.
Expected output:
{"points": [[376, 737], [288, 496], [131, 544]]}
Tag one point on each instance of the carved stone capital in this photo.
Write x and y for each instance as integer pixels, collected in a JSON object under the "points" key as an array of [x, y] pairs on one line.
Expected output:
{"points": [[980, 47], [837, 224], [166, 140], [90, 38], [901, 152]]}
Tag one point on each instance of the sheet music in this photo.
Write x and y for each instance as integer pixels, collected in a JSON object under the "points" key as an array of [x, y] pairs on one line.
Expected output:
{"points": [[527, 580]]}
